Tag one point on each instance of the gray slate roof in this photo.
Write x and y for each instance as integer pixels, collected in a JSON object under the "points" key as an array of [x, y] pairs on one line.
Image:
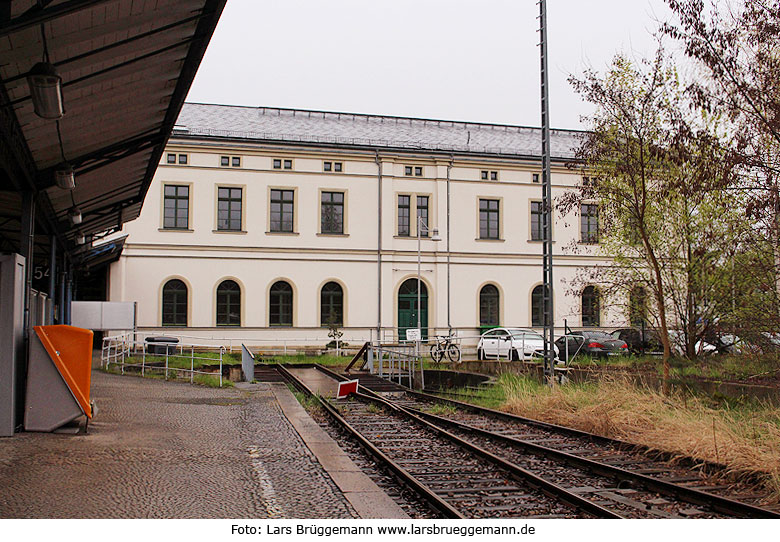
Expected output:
{"points": [[348, 129]]}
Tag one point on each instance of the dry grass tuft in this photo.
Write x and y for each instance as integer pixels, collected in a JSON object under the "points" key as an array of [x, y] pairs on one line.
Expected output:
{"points": [[745, 438]]}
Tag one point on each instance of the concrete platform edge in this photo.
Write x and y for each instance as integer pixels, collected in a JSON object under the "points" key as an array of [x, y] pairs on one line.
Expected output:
{"points": [[363, 494]]}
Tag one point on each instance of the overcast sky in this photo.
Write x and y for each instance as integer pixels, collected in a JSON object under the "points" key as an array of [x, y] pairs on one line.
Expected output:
{"points": [[473, 60]]}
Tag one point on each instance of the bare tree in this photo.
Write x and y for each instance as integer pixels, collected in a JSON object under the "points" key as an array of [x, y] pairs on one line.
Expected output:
{"points": [[736, 46], [654, 174]]}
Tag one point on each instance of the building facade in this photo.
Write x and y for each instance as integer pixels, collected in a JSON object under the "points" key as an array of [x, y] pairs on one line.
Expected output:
{"points": [[270, 224]]}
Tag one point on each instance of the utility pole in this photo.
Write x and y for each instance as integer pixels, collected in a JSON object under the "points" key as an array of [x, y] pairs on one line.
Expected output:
{"points": [[547, 264]]}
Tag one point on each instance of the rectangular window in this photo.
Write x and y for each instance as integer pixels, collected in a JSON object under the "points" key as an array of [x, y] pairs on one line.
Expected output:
{"points": [[337, 167], [537, 221], [229, 209], [422, 213], [403, 215], [488, 219], [288, 164], [224, 161], [176, 214], [171, 158], [332, 209], [484, 175], [277, 163], [183, 159], [327, 166], [494, 175], [236, 161], [589, 223], [282, 210], [407, 170], [634, 235], [535, 177], [418, 171]]}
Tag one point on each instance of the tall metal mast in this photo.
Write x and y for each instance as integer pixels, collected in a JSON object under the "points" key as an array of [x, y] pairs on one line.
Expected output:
{"points": [[547, 264]]}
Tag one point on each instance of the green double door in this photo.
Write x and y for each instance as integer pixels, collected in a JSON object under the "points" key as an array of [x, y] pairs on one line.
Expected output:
{"points": [[407, 308]]}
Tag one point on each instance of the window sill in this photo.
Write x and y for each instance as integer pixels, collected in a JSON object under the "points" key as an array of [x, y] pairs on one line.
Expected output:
{"points": [[237, 232], [282, 233], [332, 235], [179, 230], [412, 237], [540, 241], [490, 240]]}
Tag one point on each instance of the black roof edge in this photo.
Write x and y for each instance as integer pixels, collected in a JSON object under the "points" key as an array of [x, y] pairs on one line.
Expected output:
{"points": [[201, 38], [373, 148]]}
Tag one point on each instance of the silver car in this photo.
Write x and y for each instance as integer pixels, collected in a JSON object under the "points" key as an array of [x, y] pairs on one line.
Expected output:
{"points": [[511, 343]]}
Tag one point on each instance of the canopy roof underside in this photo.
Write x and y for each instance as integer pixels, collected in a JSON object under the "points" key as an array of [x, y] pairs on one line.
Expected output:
{"points": [[126, 67]]}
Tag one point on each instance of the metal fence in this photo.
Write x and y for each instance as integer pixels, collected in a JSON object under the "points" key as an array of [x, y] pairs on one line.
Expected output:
{"points": [[466, 339], [395, 362], [124, 351]]}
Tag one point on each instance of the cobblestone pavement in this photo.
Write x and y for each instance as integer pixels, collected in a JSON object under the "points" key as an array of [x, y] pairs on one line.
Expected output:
{"points": [[169, 450]]}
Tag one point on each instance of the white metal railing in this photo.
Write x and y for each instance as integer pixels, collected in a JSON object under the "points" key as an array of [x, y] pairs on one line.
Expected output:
{"points": [[395, 362], [278, 345], [124, 350], [284, 344]]}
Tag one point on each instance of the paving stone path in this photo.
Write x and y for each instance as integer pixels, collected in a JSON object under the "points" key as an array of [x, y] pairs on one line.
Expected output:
{"points": [[169, 450]]}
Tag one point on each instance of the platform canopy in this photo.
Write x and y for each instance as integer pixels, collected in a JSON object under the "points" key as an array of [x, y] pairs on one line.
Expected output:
{"points": [[126, 67]]}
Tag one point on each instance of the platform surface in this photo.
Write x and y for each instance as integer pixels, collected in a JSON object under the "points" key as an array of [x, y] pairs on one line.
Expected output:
{"points": [[161, 449]]}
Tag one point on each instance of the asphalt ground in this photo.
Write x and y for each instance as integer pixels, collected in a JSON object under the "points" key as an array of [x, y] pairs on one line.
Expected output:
{"points": [[161, 449]]}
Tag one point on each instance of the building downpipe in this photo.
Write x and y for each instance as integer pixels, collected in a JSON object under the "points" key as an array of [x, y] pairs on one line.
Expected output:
{"points": [[378, 247], [449, 299]]}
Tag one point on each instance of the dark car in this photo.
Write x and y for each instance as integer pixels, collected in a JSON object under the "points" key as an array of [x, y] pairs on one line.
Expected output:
{"points": [[633, 337], [590, 343]]}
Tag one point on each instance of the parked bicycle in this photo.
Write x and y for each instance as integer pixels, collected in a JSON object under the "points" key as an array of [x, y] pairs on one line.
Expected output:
{"points": [[445, 346]]}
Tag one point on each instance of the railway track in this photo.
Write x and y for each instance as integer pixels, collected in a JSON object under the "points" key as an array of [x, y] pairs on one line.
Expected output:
{"points": [[466, 461]]}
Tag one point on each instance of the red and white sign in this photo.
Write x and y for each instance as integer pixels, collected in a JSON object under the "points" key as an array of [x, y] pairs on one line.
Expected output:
{"points": [[345, 388]]}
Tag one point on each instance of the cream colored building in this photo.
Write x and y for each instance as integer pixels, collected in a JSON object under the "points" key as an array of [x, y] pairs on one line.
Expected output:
{"points": [[259, 221]]}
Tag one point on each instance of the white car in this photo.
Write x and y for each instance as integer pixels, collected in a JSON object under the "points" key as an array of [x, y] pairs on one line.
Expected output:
{"points": [[511, 343]]}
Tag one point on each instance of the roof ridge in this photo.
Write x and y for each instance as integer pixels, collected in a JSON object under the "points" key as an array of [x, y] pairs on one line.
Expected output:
{"points": [[369, 116]]}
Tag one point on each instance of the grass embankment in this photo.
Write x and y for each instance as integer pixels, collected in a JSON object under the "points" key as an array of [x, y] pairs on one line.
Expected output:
{"points": [[198, 361], [294, 359], [744, 435], [739, 367], [201, 359]]}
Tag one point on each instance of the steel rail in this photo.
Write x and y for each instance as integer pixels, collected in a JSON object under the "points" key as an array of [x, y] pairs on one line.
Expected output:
{"points": [[622, 445], [413, 483], [687, 494], [619, 444], [549, 488]]}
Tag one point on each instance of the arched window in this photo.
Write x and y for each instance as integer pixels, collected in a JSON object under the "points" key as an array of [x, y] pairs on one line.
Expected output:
{"points": [[488, 306], [590, 307], [537, 306], [637, 306], [331, 305], [228, 304], [174, 303], [281, 304]]}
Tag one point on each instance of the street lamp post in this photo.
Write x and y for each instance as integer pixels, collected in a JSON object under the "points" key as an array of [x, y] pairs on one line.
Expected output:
{"points": [[435, 237]]}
